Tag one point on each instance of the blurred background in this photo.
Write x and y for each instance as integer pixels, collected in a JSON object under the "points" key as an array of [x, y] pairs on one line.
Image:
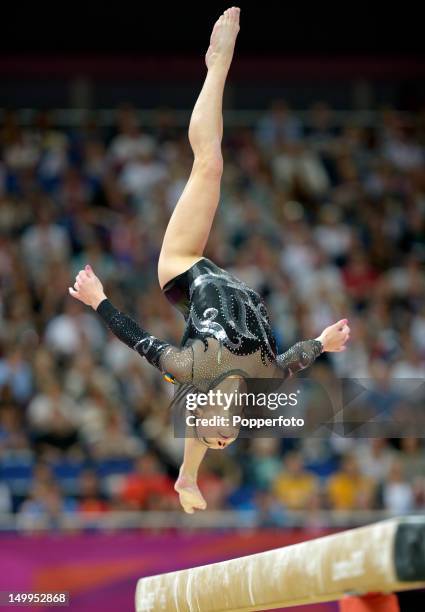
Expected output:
{"points": [[322, 212]]}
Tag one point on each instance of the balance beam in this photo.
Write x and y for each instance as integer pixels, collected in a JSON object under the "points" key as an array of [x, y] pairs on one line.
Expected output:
{"points": [[381, 558]]}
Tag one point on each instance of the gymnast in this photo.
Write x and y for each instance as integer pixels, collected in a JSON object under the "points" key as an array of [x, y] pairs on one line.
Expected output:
{"points": [[228, 335]]}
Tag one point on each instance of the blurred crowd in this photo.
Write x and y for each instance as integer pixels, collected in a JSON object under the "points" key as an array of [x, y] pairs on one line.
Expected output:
{"points": [[324, 220]]}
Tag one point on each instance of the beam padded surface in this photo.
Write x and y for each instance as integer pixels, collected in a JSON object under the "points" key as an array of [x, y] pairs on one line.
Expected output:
{"points": [[351, 562]]}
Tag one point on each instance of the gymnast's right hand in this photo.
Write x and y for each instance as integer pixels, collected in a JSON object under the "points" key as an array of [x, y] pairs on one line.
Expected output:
{"points": [[335, 337], [88, 288], [189, 494]]}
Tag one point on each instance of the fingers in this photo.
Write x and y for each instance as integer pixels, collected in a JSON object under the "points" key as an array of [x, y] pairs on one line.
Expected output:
{"points": [[82, 277], [194, 505], [340, 324], [343, 327], [345, 331], [191, 509], [345, 336], [189, 503]]}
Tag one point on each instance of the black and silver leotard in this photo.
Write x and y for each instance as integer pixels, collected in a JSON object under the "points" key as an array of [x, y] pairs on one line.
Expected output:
{"points": [[227, 331]]}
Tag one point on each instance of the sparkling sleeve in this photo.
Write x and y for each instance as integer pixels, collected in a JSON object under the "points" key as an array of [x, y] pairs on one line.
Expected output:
{"points": [[175, 362], [299, 356]]}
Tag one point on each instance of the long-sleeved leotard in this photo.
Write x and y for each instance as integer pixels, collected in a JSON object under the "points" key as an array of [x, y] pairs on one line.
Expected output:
{"points": [[162, 355], [227, 331]]}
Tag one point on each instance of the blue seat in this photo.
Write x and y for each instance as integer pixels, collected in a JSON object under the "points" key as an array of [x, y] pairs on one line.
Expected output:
{"points": [[17, 473], [109, 467]]}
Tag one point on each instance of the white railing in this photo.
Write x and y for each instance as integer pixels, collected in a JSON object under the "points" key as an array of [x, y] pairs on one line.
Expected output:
{"points": [[216, 520]]}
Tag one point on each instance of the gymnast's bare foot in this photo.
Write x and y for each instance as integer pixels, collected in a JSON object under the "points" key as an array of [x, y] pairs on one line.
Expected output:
{"points": [[189, 494], [223, 38]]}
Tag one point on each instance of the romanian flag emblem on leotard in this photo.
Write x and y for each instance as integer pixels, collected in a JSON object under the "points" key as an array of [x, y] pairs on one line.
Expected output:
{"points": [[169, 378]]}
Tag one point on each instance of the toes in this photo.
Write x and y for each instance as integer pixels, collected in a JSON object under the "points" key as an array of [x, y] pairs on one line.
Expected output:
{"points": [[230, 15], [234, 14], [215, 28]]}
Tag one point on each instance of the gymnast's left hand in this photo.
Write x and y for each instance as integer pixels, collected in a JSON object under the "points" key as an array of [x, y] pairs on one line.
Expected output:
{"points": [[88, 288], [335, 337], [190, 496]]}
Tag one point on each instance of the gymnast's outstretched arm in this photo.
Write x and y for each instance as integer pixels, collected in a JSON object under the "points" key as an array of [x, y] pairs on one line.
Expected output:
{"points": [[303, 354], [300, 356], [167, 358]]}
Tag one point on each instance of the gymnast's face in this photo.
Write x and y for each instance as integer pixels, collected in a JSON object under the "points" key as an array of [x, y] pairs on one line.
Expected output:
{"points": [[219, 443], [217, 435], [219, 430]]}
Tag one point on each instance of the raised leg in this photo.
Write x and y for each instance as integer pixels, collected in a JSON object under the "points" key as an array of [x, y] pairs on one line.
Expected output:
{"points": [[190, 224]]}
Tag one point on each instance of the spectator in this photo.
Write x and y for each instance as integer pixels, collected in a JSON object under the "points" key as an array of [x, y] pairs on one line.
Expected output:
{"points": [[294, 486], [43, 242], [278, 125], [349, 489], [129, 142], [375, 458], [91, 499], [270, 514], [397, 493], [13, 437], [45, 509], [147, 481], [264, 462], [53, 417], [74, 330], [412, 458], [15, 373]]}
